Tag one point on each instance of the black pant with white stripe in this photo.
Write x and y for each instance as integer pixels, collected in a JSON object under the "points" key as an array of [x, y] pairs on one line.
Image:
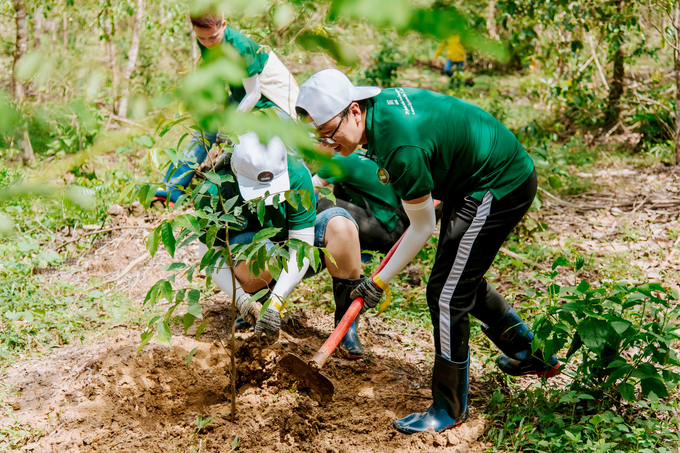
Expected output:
{"points": [[471, 234]]}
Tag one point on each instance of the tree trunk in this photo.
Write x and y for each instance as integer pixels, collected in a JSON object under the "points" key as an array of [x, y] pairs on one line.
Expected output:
{"points": [[132, 61], [676, 25], [111, 59], [64, 31], [194, 47], [19, 47], [616, 87], [27, 155], [37, 26], [491, 24]]}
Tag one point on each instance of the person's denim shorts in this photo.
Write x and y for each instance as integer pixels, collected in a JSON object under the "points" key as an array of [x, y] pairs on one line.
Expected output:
{"points": [[322, 220]]}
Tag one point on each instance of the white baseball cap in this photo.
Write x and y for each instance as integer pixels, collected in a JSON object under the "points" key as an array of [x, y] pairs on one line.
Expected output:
{"points": [[260, 168], [327, 93]]}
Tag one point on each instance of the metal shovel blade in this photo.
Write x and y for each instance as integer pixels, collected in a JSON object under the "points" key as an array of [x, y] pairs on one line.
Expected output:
{"points": [[310, 376]]}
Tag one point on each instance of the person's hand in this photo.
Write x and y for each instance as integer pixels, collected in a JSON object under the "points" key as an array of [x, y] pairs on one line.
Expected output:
{"points": [[370, 292], [249, 310], [269, 324], [434, 61]]}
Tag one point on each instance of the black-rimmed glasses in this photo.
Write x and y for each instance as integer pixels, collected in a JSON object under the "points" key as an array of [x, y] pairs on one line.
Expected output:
{"points": [[330, 140]]}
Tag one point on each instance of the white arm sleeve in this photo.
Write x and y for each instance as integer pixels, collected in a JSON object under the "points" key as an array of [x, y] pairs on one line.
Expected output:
{"points": [[253, 93], [222, 277], [288, 280], [423, 222]]}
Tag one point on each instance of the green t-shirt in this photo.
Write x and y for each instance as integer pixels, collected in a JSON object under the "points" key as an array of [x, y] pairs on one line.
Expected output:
{"points": [[358, 176], [432, 143], [255, 58], [285, 217]]}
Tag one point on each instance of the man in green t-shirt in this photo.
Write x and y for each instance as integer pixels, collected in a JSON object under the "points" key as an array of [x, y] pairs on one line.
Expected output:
{"points": [[269, 85], [373, 205], [255, 170], [431, 145]]}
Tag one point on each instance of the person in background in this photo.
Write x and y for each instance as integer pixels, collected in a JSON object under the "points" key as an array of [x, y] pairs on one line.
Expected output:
{"points": [[373, 205], [257, 168], [269, 85], [454, 52]]}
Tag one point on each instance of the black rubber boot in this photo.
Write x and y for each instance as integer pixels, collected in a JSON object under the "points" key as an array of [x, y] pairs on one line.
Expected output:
{"points": [[342, 288], [512, 336], [449, 395]]}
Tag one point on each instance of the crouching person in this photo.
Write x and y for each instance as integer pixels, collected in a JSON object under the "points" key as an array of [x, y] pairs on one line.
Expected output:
{"points": [[256, 169]]}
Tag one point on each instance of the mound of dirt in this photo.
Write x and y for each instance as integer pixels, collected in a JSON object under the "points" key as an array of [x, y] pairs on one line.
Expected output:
{"points": [[101, 398]]}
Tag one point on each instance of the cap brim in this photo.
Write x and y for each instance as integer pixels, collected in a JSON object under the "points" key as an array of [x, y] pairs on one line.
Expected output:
{"points": [[361, 93], [251, 189]]}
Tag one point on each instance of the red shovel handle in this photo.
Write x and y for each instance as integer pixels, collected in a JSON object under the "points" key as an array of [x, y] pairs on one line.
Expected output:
{"points": [[329, 346]]}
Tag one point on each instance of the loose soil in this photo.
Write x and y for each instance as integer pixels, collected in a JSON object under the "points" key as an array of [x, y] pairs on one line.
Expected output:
{"points": [[101, 397]]}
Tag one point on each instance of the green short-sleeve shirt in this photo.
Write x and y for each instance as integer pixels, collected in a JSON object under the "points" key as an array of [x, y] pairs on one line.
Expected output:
{"points": [[432, 143], [255, 59], [358, 176], [285, 217]]}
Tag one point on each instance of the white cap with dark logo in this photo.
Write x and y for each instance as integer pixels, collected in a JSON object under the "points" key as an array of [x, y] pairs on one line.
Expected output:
{"points": [[260, 168], [327, 93]]}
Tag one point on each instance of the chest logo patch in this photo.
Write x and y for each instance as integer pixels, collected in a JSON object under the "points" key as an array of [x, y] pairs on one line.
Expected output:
{"points": [[265, 176], [383, 176]]}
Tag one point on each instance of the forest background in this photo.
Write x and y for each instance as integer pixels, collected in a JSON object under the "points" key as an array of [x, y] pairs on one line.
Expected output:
{"points": [[97, 96]]}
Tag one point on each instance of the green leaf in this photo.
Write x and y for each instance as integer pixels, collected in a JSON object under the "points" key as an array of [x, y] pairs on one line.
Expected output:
{"points": [[145, 140], [260, 211], [168, 238], [210, 237], [146, 337], [275, 201], [188, 321], [201, 328], [620, 326], [306, 199], [327, 193], [291, 198], [560, 261], [190, 273], [213, 178], [230, 203], [329, 256], [555, 182], [594, 333], [194, 296], [174, 267], [266, 234], [196, 310], [166, 290], [190, 356], [655, 385], [164, 335], [258, 295]]}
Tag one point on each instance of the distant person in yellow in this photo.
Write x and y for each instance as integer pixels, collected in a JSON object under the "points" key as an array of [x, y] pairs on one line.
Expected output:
{"points": [[455, 56]]}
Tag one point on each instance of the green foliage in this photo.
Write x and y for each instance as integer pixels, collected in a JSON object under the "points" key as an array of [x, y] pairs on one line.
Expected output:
{"points": [[384, 65], [543, 420], [621, 334]]}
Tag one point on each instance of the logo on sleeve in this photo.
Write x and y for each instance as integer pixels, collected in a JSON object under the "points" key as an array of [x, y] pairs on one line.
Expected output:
{"points": [[383, 176]]}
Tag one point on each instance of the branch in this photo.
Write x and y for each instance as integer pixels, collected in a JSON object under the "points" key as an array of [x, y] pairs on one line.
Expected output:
{"points": [[129, 267], [523, 259], [107, 230]]}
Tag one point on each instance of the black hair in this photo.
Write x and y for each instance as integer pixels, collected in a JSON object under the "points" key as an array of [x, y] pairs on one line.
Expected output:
{"points": [[363, 106]]}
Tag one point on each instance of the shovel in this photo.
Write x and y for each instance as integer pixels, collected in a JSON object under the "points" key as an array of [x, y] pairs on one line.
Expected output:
{"points": [[310, 372]]}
